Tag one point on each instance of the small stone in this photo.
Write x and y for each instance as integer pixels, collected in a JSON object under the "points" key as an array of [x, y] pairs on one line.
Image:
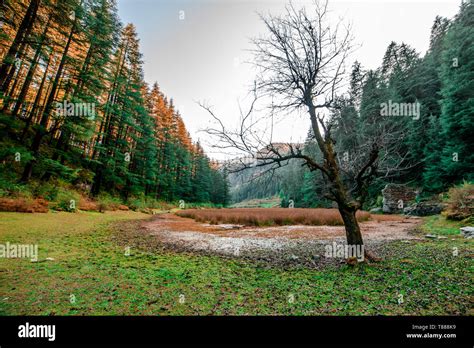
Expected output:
{"points": [[432, 236], [230, 227], [467, 232], [49, 259]]}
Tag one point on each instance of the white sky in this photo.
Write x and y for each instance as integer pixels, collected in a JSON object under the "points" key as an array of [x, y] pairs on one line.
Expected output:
{"points": [[199, 58]]}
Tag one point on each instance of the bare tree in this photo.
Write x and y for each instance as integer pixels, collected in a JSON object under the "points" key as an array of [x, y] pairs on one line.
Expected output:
{"points": [[301, 63]]}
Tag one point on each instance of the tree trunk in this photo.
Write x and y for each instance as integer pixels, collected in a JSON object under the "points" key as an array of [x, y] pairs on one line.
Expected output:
{"points": [[63, 141], [31, 71], [22, 33], [36, 103], [348, 211], [353, 235], [40, 132], [104, 131]]}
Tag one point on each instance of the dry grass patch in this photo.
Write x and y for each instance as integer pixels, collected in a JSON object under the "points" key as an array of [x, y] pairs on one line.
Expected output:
{"points": [[23, 205], [270, 217], [379, 218], [461, 202]]}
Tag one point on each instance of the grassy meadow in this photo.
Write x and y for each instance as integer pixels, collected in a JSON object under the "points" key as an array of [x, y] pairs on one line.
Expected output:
{"points": [[89, 273]]}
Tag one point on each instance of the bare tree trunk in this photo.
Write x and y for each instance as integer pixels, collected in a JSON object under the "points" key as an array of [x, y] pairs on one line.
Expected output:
{"points": [[347, 209]]}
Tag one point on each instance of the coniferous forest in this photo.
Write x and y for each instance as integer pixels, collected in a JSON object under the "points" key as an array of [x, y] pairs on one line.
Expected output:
{"points": [[76, 111]]}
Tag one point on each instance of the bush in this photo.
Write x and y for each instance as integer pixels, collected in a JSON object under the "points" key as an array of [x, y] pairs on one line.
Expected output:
{"points": [[46, 190], [84, 176], [143, 202], [10, 188], [379, 202], [108, 202], [461, 202], [67, 200]]}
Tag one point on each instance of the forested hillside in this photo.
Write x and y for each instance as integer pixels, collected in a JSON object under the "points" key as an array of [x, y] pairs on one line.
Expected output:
{"points": [[435, 146], [75, 109]]}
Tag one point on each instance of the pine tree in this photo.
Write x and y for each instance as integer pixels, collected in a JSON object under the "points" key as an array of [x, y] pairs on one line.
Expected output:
{"points": [[457, 123]]}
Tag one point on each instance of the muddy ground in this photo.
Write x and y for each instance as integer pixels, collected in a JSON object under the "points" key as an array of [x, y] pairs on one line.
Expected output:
{"points": [[277, 245]]}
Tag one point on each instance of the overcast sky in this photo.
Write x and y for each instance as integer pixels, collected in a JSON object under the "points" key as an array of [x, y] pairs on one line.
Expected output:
{"points": [[196, 49]]}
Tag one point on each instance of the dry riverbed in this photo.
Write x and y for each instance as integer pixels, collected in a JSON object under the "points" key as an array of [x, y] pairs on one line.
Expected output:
{"points": [[278, 245]]}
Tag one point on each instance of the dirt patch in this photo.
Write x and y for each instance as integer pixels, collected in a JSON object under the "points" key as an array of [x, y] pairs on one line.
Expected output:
{"points": [[167, 226], [282, 245]]}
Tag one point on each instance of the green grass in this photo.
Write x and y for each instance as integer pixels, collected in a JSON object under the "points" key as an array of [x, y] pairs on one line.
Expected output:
{"points": [[273, 202], [439, 225], [89, 264]]}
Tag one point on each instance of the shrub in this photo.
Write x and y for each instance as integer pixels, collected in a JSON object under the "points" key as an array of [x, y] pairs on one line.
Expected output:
{"points": [[143, 202], [10, 188], [67, 200], [107, 202], [47, 190], [379, 202], [23, 205], [461, 202]]}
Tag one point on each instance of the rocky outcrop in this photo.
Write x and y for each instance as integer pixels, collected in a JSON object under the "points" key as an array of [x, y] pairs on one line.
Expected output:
{"points": [[424, 209], [397, 197]]}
